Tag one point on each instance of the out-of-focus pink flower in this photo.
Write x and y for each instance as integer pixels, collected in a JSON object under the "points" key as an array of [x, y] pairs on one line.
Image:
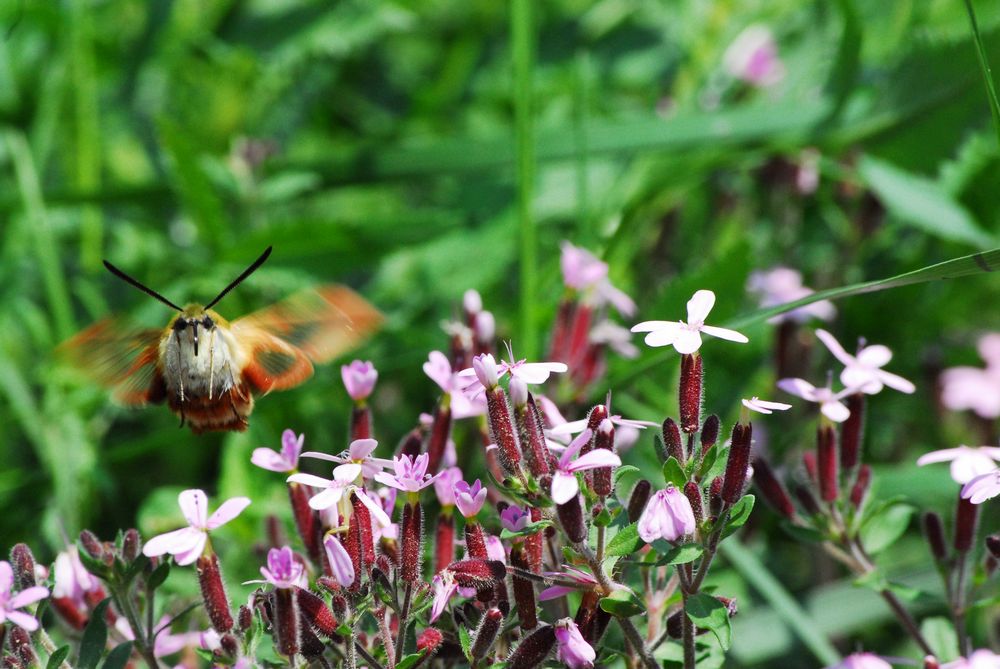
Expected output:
{"points": [[762, 406], [287, 460], [983, 487], [469, 498], [472, 302], [584, 272], [444, 486], [359, 453], [495, 549], [582, 579], [10, 602], [862, 661], [615, 337], [486, 327], [578, 425], [686, 337], [966, 463], [668, 515], [573, 650], [359, 379], [971, 388], [564, 483], [410, 473], [72, 580], [283, 570], [167, 642], [444, 587], [863, 372], [188, 543], [753, 57], [339, 559], [829, 401], [980, 659], [807, 174], [438, 368], [514, 518], [782, 285]]}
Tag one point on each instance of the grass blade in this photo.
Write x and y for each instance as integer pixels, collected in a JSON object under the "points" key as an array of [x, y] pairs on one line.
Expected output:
{"points": [[984, 65], [522, 37]]}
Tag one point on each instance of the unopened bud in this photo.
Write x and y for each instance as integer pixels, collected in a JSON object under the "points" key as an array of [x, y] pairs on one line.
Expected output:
{"points": [[244, 618], [966, 520], [739, 461], [807, 499], [412, 532], [533, 649], [412, 444], [772, 489], [533, 547], [310, 645], [934, 533], [518, 392], [812, 469], [23, 563], [861, 484], [524, 590], [92, 545], [472, 302], [571, 517], [690, 393], [477, 573], [286, 622], [131, 545], [604, 438], [693, 493], [230, 646], [213, 593], [715, 496], [475, 539], [531, 435], [486, 634], [306, 520], [993, 545], [826, 460], [361, 421], [428, 643], [20, 643], [444, 541], [851, 431], [437, 441], [637, 501], [672, 443], [710, 432], [316, 613], [502, 431]]}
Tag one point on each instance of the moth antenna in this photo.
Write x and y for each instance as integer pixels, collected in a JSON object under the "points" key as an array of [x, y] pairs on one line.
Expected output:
{"points": [[247, 272], [133, 282]]}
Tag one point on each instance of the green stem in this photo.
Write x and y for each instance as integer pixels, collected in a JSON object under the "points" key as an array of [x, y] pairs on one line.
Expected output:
{"points": [[124, 604], [687, 634], [984, 66], [87, 156], [403, 620]]}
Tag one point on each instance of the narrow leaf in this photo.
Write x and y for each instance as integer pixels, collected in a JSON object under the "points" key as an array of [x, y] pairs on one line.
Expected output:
{"points": [[984, 66], [57, 657], [118, 657], [707, 612], [95, 637]]}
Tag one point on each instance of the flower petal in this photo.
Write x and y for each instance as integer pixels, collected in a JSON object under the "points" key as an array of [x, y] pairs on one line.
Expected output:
{"points": [[942, 455], [834, 347], [575, 446], [189, 556], [537, 372], [326, 499], [362, 448], [28, 596], [799, 388], [267, 458], [569, 428], [172, 542], [291, 446], [194, 506], [835, 411], [340, 560], [699, 306], [229, 510], [982, 488], [322, 456], [597, 458], [725, 333], [555, 592], [564, 487], [377, 512], [6, 576], [310, 480], [347, 473], [23, 620], [654, 326], [438, 368], [687, 341], [875, 355], [896, 382]]}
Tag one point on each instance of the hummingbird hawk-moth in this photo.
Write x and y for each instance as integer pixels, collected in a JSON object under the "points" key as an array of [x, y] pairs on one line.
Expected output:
{"points": [[208, 370]]}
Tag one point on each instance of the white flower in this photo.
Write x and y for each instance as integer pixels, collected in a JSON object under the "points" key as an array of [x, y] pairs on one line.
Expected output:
{"points": [[762, 406], [864, 372], [829, 401], [966, 463], [686, 337]]}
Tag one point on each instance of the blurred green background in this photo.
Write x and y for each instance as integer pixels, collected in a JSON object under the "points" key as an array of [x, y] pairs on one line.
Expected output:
{"points": [[373, 144]]}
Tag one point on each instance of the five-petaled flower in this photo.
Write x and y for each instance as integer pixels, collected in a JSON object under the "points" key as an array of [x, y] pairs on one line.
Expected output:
{"points": [[283, 570], [564, 483], [188, 543], [668, 515], [438, 368], [287, 460], [863, 372], [686, 337], [11, 602], [359, 453], [829, 401], [469, 498], [410, 473], [763, 406], [573, 650], [966, 463], [359, 379]]}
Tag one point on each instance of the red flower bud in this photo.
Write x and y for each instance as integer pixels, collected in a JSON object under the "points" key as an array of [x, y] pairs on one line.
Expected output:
{"points": [[475, 540], [604, 438], [529, 429], [861, 484], [579, 337], [131, 545], [68, 611], [826, 460], [244, 618], [361, 421], [524, 590], [807, 499], [533, 544], [571, 517], [710, 433], [486, 634], [444, 541], [851, 431], [993, 545], [23, 563], [412, 444], [19, 642], [92, 545], [478, 573], [930, 662], [533, 649], [966, 521], [428, 643], [286, 622], [812, 469], [690, 392], [316, 613], [693, 493], [213, 593], [438, 438], [772, 489], [306, 520], [738, 463], [638, 499], [559, 347], [502, 431], [412, 532], [672, 443]]}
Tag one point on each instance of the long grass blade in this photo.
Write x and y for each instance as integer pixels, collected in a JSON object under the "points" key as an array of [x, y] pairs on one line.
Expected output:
{"points": [[523, 52], [984, 65]]}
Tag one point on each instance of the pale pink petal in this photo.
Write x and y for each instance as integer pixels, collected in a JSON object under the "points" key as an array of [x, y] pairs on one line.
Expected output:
{"points": [[340, 560], [326, 499], [23, 620], [229, 510], [664, 336], [190, 555], [896, 382], [654, 326], [555, 592], [799, 388], [537, 372], [291, 446], [194, 506], [322, 456], [378, 514], [943, 455], [861, 379], [267, 458], [347, 472], [599, 457], [6, 576], [438, 368], [622, 303], [835, 411], [310, 480], [362, 448], [835, 348], [688, 341], [28, 596], [564, 487], [875, 355], [969, 466], [725, 333], [575, 446], [982, 488], [699, 306], [172, 542], [991, 451], [569, 428]]}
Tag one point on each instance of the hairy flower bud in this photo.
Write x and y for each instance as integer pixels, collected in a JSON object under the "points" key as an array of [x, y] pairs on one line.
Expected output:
{"points": [[693, 494], [502, 431], [861, 484], [316, 613], [486, 634], [524, 590], [23, 563], [772, 489], [571, 517], [92, 545], [672, 443], [412, 532], [477, 573], [533, 649], [851, 431], [286, 621], [444, 541], [533, 547], [131, 545], [930, 662], [19, 642], [826, 460], [807, 499], [361, 421], [710, 432], [690, 392], [531, 435], [437, 441], [213, 593], [244, 618], [475, 539], [738, 463], [637, 501], [428, 643], [604, 438], [966, 521]]}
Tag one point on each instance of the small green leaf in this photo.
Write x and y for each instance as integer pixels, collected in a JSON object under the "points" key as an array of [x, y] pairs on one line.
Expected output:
{"points": [[623, 604], [718, 465], [625, 478], [140, 563], [463, 638], [529, 529], [622, 471], [118, 657], [873, 580], [709, 613], [409, 661], [626, 542], [159, 575], [884, 526], [674, 473], [57, 658], [671, 554], [707, 460], [95, 637], [739, 515], [940, 634], [604, 518]]}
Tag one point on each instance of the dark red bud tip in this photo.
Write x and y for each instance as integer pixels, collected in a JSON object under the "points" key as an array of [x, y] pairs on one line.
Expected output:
{"points": [[672, 444], [571, 517], [361, 422], [486, 634], [412, 444], [861, 485], [597, 414], [993, 545], [428, 643], [851, 431], [710, 432], [930, 662], [20, 643], [286, 622], [693, 493], [315, 611], [738, 463], [478, 573], [230, 646], [213, 593], [131, 545], [23, 563], [244, 618], [604, 438], [966, 520], [826, 460], [92, 545], [772, 489], [437, 441], [690, 393], [475, 540], [637, 502], [532, 436], [306, 520], [533, 649]]}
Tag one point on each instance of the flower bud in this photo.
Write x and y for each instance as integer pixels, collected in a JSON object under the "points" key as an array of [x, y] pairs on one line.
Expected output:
{"points": [[690, 393], [672, 443], [533, 547], [524, 590], [485, 367], [477, 573], [472, 302], [412, 532], [710, 433], [930, 662], [485, 331], [966, 521], [444, 541], [315, 611], [559, 346], [230, 646], [92, 545], [693, 494], [851, 431], [993, 545], [715, 496], [486, 634], [604, 438], [437, 441], [533, 649], [826, 460], [23, 563], [428, 643], [361, 422], [531, 435], [244, 618], [502, 431], [19, 642], [772, 489], [286, 622], [812, 469], [131, 545], [412, 444], [475, 540], [213, 593], [579, 336], [306, 519], [637, 501], [807, 499], [571, 517], [861, 484], [739, 461]]}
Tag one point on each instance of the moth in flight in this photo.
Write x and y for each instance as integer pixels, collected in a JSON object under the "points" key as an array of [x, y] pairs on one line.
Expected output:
{"points": [[208, 370]]}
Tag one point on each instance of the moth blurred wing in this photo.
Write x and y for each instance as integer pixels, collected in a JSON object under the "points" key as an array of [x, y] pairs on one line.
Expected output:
{"points": [[271, 362]]}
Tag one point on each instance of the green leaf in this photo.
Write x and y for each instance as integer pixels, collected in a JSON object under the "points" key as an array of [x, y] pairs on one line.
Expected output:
{"points": [[707, 612], [463, 638], [623, 604], [409, 661], [140, 563], [626, 542], [676, 554], [95, 637], [604, 518], [804, 534], [674, 473], [529, 529], [159, 575], [940, 634], [118, 657], [884, 526], [57, 657], [625, 478], [739, 515]]}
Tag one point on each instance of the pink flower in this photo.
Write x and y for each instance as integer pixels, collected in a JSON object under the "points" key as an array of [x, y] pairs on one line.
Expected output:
{"points": [[686, 337], [438, 368], [982, 488], [573, 649], [864, 372], [188, 543], [10, 602], [333, 490], [782, 285], [971, 388], [444, 587], [72, 580], [762, 406], [167, 642], [668, 515], [488, 373], [583, 580], [287, 460], [829, 401], [578, 425], [339, 559], [615, 337], [514, 518], [444, 486], [283, 570], [472, 302], [980, 659], [564, 483], [966, 463], [863, 661], [411, 473], [495, 549], [387, 498], [584, 272], [359, 379], [753, 57], [359, 453], [469, 499]]}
